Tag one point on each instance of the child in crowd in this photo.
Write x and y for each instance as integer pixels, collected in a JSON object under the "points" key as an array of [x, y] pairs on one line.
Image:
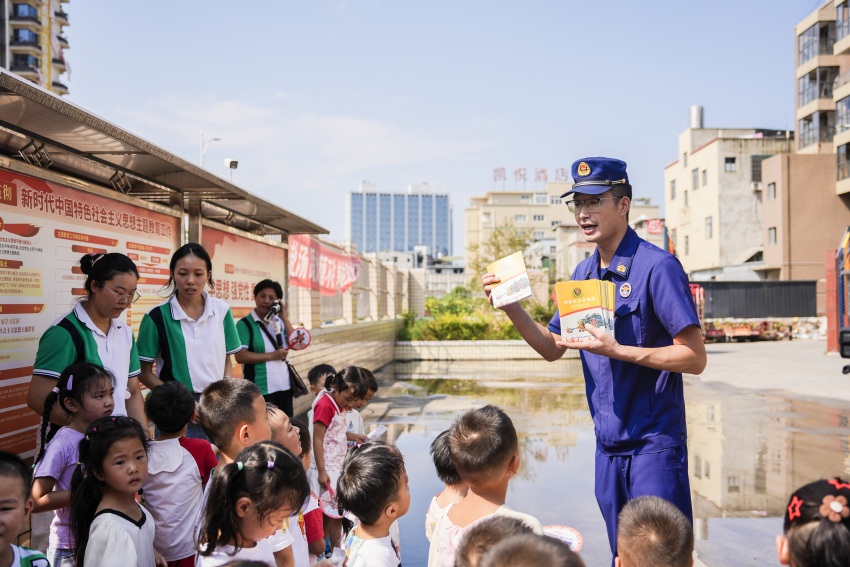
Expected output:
{"points": [[15, 478], [233, 415], [373, 485], [817, 526], [455, 488], [356, 432], [178, 470], [83, 392], [282, 429], [310, 521], [652, 531], [533, 550], [329, 428], [109, 526], [317, 377], [249, 498], [485, 534], [485, 451]]}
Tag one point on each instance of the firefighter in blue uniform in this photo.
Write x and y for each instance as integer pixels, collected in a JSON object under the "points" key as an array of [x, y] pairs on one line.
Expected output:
{"points": [[634, 381]]}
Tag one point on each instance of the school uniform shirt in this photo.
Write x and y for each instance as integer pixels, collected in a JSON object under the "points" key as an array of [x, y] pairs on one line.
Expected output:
{"points": [[271, 376], [208, 340], [25, 557], [117, 539], [115, 351], [173, 492], [58, 462], [222, 555], [300, 530], [378, 552]]}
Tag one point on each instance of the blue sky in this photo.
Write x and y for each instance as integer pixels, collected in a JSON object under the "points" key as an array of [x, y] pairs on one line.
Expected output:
{"points": [[313, 97]]}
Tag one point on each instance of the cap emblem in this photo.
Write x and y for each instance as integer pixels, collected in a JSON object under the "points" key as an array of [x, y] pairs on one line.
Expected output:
{"points": [[583, 170]]}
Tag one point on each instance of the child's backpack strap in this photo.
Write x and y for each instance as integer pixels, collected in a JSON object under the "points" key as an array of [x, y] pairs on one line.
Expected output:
{"points": [[165, 373]]}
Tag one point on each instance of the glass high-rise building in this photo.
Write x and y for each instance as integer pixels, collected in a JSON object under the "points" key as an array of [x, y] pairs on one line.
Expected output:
{"points": [[396, 222]]}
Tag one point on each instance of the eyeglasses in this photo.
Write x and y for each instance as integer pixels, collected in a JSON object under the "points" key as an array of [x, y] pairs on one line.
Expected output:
{"points": [[589, 205], [123, 297]]}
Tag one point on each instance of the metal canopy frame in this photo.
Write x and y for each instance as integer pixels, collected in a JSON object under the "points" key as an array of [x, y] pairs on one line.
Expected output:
{"points": [[47, 131]]}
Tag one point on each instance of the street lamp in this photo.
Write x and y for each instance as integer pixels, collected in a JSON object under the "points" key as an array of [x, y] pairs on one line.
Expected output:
{"points": [[205, 144]]}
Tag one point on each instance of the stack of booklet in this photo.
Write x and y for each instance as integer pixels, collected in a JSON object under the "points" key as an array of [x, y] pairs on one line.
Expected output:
{"points": [[585, 302], [514, 285]]}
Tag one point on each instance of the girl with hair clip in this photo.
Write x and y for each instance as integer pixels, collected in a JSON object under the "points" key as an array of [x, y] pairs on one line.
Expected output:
{"points": [[329, 428], [110, 527], [83, 393], [817, 526], [249, 500], [93, 332], [192, 335]]}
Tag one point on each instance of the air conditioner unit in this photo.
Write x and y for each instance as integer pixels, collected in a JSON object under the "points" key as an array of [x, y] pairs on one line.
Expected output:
{"points": [[756, 186]]}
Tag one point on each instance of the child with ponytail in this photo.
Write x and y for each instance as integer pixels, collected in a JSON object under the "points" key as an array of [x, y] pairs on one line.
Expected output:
{"points": [[817, 526], [83, 393], [249, 500], [109, 526]]}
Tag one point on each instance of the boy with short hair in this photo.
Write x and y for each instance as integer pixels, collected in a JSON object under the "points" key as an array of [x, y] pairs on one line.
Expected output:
{"points": [[532, 550], [485, 451], [15, 481], [373, 485], [484, 535], [455, 488], [653, 531], [178, 470]]}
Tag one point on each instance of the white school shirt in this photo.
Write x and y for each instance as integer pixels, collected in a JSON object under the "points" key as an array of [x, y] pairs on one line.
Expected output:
{"points": [[115, 539], [379, 552], [222, 555], [300, 545]]}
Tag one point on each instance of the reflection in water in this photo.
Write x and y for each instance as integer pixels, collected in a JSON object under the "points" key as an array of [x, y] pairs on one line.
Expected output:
{"points": [[748, 450]]}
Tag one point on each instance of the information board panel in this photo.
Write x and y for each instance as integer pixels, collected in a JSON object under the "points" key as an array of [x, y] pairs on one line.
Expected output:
{"points": [[45, 228]]}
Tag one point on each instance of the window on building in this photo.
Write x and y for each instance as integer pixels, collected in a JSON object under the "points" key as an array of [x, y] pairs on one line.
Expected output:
{"points": [[771, 235], [687, 245], [707, 469], [733, 484], [842, 114], [525, 198], [771, 191], [697, 466], [817, 40], [817, 83], [673, 190], [520, 218], [555, 201], [553, 249], [539, 235], [673, 236], [25, 11], [709, 228], [486, 218], [730, 165], [685, 196], [842, 155], [695, 179], [539, 218], [586, 255], [555, 223], [684, 159], [23, 35], [842, 20], [755, 166], [704, 177], [540, 198]]}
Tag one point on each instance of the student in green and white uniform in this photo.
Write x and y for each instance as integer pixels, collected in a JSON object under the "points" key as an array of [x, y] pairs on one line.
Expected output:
{"points": [[92, 332], [192, 335], [262, 357]]}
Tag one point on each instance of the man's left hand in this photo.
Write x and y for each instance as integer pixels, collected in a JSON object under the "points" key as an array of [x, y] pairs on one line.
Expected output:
{"points": [[603, 344]]}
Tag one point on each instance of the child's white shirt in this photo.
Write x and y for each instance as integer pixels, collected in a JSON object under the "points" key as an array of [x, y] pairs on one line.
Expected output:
{"points": [[435, 512], [379, 552], [446, 536], [116, 539], [222, 555]]}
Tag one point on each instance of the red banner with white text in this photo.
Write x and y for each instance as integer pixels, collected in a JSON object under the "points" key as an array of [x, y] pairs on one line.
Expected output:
{"points": [[314, 266]]}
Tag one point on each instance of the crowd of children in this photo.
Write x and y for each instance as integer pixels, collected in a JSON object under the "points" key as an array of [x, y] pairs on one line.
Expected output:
{"points": [[282, 492]]}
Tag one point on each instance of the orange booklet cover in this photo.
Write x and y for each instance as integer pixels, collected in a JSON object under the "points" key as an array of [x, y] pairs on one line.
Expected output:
{"points": [[585, 301]]}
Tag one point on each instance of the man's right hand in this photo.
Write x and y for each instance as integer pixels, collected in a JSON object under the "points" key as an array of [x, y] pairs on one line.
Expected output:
{"points": [[489, 281]]}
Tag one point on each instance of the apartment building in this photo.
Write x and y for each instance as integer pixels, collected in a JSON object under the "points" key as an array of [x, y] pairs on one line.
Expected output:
{"points": [[399, 222], [32, 42], [713, 198]]}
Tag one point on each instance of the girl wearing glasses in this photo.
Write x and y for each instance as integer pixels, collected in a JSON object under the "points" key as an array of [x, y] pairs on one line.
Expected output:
{"points": [[93, 332]]}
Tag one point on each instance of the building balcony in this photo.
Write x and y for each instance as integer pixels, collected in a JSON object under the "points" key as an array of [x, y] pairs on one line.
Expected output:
{"points": [[842, 186], [28, 73], [63, 43], [820, 60], [59, 64], [29, 22], [62, 18], [58, 88], [25, 47], [842, 135]]}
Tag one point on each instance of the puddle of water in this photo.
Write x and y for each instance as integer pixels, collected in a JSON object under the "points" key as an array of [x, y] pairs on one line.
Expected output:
{"points": [[748, 451]]}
